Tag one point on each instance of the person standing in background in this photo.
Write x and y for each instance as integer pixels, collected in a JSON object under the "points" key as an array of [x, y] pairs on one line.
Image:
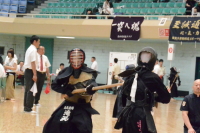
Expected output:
{"points": [[7, 58], [20, 73], [161, 73], [30, 74], [10, 67], [42, 72], [115, 72], [156, 67], [59, 69], [2, 81], [173, 78], [94, 66]]}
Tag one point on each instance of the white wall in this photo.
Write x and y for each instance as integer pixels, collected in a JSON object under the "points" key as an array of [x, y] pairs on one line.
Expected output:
{"points": [[7, 41], [185, 54]]}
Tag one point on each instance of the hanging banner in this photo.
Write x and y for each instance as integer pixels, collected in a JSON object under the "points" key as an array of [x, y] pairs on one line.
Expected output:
{"points": [[185, 29], [126, 28], [171, 48]]}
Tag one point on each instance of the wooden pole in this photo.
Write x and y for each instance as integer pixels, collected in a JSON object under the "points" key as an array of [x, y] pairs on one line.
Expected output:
{"points": [[97, 88]]}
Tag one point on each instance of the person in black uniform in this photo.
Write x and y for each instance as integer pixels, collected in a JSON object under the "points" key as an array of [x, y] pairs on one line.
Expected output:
{"points": [[189, 4], [139, 88], [190, 108], [74, 114], [173, 78], [119, 104], [89, 12]]}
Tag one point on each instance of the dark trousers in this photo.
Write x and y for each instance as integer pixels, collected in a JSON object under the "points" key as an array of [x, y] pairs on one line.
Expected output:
{"points": [[174, 90], [113, 82], [119, 103], [40, 83], [162, 79], [22, 80], [21, 77], [133, 119], [185, 130], [79, 120], [28, 95]]}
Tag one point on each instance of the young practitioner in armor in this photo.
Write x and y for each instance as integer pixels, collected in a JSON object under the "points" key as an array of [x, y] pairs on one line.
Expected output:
{"points": [[139, 88], [173, 78], [74, 114]]}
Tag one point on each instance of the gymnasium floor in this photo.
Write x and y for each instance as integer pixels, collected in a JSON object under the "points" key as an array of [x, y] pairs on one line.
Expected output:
{"points": [[13, 120]]}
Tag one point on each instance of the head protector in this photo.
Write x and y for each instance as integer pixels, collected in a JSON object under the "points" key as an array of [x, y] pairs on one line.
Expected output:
{"points": [[147, 57], [77, 58], [130, 67], [173, 70]]}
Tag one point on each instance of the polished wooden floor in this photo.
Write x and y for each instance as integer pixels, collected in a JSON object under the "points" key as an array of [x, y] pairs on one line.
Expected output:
{"points": [[13, 120]]}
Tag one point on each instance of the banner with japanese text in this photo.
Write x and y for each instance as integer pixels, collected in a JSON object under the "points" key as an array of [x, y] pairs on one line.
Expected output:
{"points": [[126, 28], [185, 29]]}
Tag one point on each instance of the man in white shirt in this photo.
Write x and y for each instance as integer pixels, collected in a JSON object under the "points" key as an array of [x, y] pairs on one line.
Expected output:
{"points": [[161, 73], [20, 73], [59, 69], [115, 71], [94, 66], [42, 72], [156, 67], [20, 67], [15, 56], [30, 75]]}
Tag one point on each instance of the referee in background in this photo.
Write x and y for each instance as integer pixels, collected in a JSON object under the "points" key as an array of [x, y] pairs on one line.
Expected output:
{"points": [[30, 74]]}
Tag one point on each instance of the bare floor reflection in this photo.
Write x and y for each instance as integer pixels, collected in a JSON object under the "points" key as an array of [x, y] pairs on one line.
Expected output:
{"points": [[13, 120]]}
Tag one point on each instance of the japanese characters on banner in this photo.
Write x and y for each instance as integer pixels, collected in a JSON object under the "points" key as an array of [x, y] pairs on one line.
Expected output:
{"points": [[185, 29], [123, 60], [126, 28]]}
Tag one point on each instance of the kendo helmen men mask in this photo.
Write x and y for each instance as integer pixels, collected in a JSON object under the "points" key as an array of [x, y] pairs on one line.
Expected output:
{"points": [[147, 57], [77, 58], [173, 69]]}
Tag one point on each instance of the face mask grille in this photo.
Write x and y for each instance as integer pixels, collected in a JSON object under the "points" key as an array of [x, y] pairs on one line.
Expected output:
{"points": [[76, 58]]}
